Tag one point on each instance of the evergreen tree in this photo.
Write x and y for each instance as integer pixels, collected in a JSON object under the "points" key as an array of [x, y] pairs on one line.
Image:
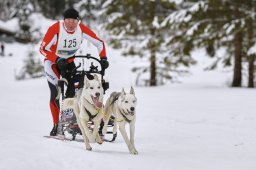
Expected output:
{"points": [[214, 24], [135, 28], [54, 9], [7, 9], [32, 68], [88, 10], [23, 13]]}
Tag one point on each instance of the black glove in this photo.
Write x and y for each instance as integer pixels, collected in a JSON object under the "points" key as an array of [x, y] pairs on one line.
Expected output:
{"points": [[61, 63], [104, 62]]}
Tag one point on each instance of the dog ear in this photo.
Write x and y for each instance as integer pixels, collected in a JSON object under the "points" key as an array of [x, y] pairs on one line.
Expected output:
{"points": [[123, 92], [122, 95], [132, 90], [86, 82], [95, 76]]}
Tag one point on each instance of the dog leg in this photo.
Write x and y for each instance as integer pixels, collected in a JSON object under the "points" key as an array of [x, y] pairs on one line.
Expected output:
{"points": [[98, 139], [126, 139], [86, 140], [105, 127], [84, 121], [96, 134], [86, 130], [77, 111], [132, 131], [87, 144], [115, 126]]}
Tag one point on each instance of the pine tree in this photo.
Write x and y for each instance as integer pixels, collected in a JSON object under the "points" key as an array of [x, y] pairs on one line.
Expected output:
{"points": [[7, 9], [23, 13], [32, 67], [135, 28], [214, 24]]}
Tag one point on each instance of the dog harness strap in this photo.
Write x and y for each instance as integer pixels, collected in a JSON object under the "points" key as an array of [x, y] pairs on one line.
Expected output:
{"points": [[126, 119], [90, 115]]}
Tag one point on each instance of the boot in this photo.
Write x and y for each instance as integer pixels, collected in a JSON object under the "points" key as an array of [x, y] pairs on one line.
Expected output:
{"points": [[54, 130]]}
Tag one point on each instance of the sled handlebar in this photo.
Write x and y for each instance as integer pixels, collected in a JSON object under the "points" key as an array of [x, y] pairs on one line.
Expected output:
{"points": [[93, 69]]}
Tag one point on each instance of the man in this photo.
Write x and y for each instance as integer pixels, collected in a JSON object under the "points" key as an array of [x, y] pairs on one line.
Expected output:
{"points": [[59, 46]]}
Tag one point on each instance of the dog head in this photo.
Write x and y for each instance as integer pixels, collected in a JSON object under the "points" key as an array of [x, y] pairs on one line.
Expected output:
{"points": [[93, 91], [128, 102]]}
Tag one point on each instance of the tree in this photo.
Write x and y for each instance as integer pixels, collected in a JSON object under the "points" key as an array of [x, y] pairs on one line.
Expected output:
{"points": [[135, 28], [23, 12], [32, 67], [214, 24]]}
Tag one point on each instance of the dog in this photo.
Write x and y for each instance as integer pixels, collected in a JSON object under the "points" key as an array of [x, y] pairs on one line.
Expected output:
{"points": [[88, 106], [122, 105]]}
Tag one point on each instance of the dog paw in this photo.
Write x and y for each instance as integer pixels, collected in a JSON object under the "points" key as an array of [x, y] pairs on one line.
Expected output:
{"points": [[99, 141], [89, 148], [136, 152], [133, 151]]}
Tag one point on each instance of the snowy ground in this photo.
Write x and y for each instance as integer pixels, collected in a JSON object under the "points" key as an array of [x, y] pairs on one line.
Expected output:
{"points": [[200, 124]]}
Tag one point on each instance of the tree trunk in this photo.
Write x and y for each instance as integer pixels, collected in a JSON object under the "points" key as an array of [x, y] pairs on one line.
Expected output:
{"points": [[153, 81], [251, 58], [152, 47], [251, 71], [237, 77]]}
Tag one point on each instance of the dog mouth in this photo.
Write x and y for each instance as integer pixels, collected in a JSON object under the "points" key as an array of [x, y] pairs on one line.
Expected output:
{"points": [[130, 112], [96, 101]]}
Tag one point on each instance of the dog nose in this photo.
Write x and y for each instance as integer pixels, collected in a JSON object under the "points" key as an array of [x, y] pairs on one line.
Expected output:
{"points": [[97, 94], [132, 108]]}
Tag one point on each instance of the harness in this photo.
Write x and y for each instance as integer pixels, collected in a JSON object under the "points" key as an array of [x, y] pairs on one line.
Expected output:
{"points": [[90, 115], [125, 118], [123, 114]]}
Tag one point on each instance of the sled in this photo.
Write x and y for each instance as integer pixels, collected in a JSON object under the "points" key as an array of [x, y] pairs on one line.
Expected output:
{"points": [[68, 123]]}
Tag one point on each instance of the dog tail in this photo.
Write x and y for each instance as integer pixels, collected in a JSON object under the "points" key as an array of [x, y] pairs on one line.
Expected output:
{"points": [[68, 103], [108, 109], [110, 102]]}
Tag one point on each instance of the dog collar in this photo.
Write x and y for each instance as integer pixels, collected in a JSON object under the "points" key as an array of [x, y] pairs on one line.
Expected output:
{"points": [[125, 118]]}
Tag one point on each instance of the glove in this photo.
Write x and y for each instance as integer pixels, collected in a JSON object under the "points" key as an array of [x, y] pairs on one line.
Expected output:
{"points": [[61, 63], [104, 62]]}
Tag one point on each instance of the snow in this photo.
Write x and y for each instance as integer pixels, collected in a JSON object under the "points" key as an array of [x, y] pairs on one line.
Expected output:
{"points": [[10, 25], [252, 50], [199, 124], [192, 29]]}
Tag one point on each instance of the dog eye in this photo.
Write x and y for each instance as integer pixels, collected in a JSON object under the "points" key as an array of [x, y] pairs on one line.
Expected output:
{"points": [[126, 101], [134, 101], [91, 87], [98, 87]]}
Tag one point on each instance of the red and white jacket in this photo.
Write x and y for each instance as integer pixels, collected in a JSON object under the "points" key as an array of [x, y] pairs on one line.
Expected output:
{"points": [[58, 42]]}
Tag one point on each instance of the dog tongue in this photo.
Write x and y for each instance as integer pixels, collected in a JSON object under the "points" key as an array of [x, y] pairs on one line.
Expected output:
{"points": [[97, 102]]}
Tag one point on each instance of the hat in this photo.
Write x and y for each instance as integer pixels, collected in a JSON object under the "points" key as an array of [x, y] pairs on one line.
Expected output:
{"points": [[71, 13]]}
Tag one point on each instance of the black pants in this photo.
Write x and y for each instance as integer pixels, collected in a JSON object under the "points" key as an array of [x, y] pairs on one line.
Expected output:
{"points": [[70, 92]]}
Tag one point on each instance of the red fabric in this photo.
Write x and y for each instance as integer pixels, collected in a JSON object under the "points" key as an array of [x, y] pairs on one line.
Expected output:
{"points": [[53, 104], [54, 68], [52, 31], [55, 112]]}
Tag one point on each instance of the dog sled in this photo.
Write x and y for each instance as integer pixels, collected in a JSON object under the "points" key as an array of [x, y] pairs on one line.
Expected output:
{"points": [[86, 65]]}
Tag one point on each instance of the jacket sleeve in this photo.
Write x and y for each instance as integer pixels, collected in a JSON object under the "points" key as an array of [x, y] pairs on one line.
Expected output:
{"points": [[90, 36], [49, 43]]}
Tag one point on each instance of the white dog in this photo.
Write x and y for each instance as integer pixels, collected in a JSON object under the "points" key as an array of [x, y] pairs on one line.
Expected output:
{"points": [[122, 105], [87, 106]]}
